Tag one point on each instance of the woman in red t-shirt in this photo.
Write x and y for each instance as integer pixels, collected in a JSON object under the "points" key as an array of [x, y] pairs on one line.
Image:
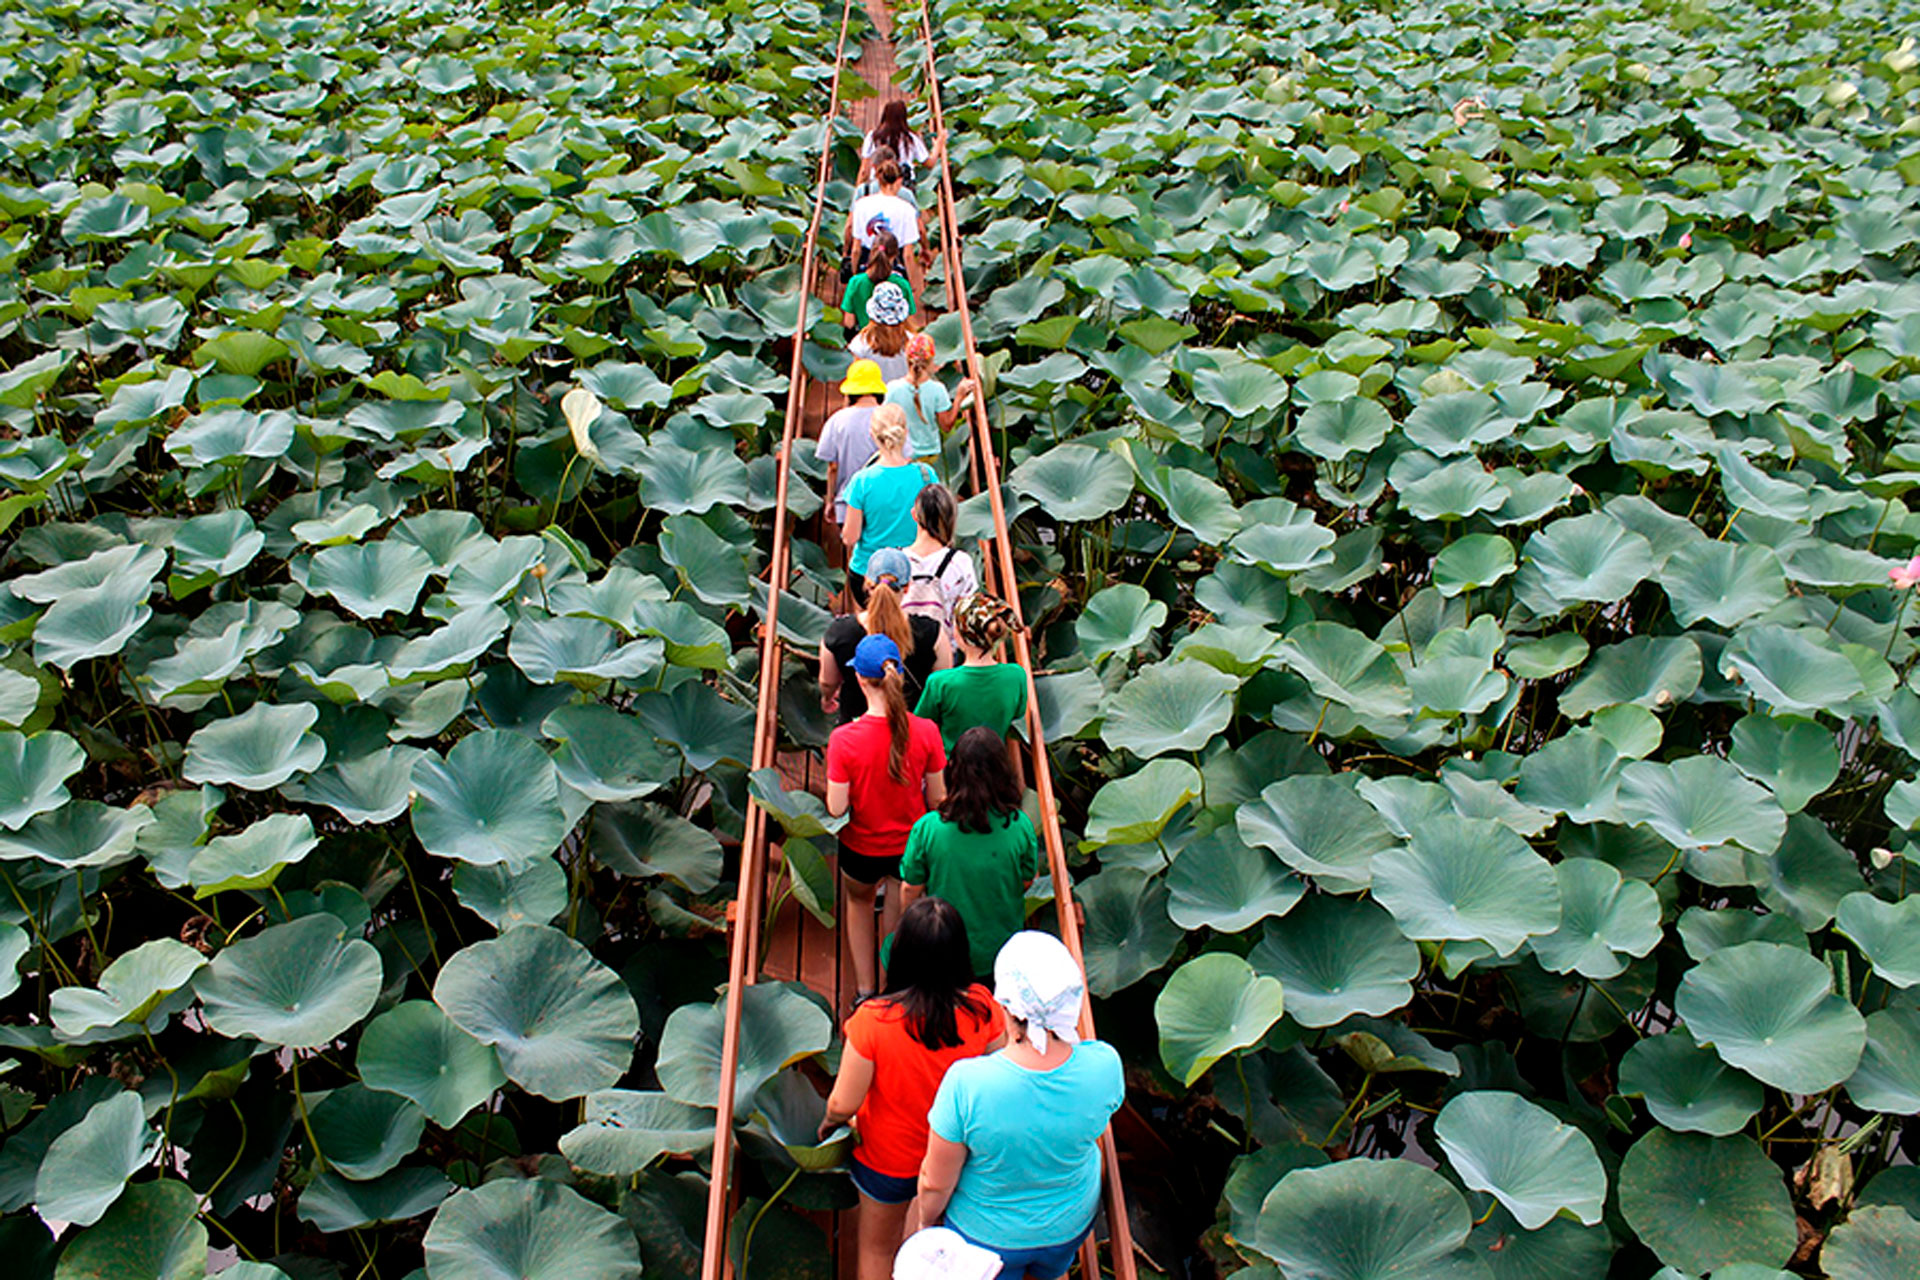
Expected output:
{"points": [[897, 1051], [886, 768]]}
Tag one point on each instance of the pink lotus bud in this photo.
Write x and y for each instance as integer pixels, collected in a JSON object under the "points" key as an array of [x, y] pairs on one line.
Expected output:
{"points": [[1345, 205], [1905, 575], [1686, 239]]}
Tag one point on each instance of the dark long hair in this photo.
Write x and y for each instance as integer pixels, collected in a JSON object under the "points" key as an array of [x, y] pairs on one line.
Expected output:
{"points": [[892, 131], [930, 976], [981, 789], [933, 509]]}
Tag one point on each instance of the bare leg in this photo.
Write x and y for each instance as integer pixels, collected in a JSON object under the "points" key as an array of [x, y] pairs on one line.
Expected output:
{"points": [[890, 913], [859, 926], [881, 1227]]}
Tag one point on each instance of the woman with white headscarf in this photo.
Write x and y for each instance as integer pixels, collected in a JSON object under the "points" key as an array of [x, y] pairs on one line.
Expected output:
{"points": [[1013, 1156]]}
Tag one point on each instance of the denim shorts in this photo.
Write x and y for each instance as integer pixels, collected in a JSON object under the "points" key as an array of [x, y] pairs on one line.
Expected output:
{"points": [[1049, 1263], [883, 1188]]}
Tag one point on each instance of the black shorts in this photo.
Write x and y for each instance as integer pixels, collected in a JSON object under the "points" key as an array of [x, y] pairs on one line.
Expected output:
{"points": [[865, 869]]}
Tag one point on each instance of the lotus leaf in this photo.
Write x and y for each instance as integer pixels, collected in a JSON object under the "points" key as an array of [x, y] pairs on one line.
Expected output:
{"points": [[299, 985], [622, 1132], [87, 1167], [414, 1050], [333, 1203], [1319, 827], [1219, 882], [1128, 933], [130, 988], [528, 1230], [779, 1024], [151, 1230], [1336, 957], [33, 774], [1887, 933], [1877, 1242], [1366, 1220], [258, 749], [1771, 1011], [1700, 1203], [1169, 706], [561, 1022], [1212, 1006], [1536, 1167], [1605, 920], [1888, 1077], [495, 798]]}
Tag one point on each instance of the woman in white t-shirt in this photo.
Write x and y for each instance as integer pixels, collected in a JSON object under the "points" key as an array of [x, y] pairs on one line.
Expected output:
{"points": [[884, 210], [892, 131], [943, 574]]}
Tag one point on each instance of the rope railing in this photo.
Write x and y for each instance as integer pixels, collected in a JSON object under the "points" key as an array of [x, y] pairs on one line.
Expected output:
{"points": [[1001, 576]]}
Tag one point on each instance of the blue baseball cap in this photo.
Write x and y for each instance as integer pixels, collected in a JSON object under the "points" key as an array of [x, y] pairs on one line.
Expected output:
{"points": [[870, 659], [890, 562]]}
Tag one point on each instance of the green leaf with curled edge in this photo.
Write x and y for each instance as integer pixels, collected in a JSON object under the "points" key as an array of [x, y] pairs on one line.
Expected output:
{"points": [[1212, 1006], [298, 985], [1771, 1011], [529, 1229], [1536, 1166], [1701, 1203], [494, 798]]}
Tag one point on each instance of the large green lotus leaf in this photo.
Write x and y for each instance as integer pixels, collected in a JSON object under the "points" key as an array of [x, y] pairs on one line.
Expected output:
{"points": [[414, 1050], [151, 1233], [1241, 651], [1337, 957], [699, 723], [780, 1023], [229, 437], [1212, 1006], [1337, 430], [1887, 933], [528, 1229], [371, 579], [649, 840], [1219, 882], [15, 942], [1476, 561], [1346, 668], [1577, 774], [1703, 932], [1367, 1220], [623, 1131], [676, 480], [92, 622], [1318, 826], [1700, 1203], [714, 569], [333, 1203], [1605, 921], [494, 799], [1771, 1011], [1537, 1167], [1257, 1173], [80, 833], [1243, 388], [218, 545], [606, 755], [1723, 582], [1797, 759], [449, 651], [1888, 1077], [1128, 933], [298, 985], [1699, 802], [562, 1022], [1456, 491], [1137, 808], [1688, 1087], [258, 749], [505, 898], [1074, 482], [1793, 671], [1876, 1242], [1584, 559], [1196, 504], [1643, 671], [1169, 706], [87, 1167], [1808, 876], [1282, 538], [253, 858], [1471, 880], [1118, 619], [34, 771], [130, 988], [491, 572], [122, 562], [371, 789], [580, 651], [362, 1132]]}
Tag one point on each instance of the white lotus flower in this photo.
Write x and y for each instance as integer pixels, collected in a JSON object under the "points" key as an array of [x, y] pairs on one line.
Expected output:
{"points": [[582, 409]]}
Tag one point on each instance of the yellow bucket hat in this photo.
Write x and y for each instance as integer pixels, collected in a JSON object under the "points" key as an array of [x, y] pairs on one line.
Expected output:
{"points": [[864, 379]]}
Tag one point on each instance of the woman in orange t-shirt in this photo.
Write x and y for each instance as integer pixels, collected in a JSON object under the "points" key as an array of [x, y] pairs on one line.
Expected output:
{"points": [[898, 1049]]}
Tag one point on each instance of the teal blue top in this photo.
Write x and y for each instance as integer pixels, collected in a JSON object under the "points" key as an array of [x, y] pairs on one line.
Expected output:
{"points": [[1032, 1176], [885, 497]]}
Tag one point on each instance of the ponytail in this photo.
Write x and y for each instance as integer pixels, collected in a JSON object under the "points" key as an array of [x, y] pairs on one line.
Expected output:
{"points": [[886, 617], [894, 686]]}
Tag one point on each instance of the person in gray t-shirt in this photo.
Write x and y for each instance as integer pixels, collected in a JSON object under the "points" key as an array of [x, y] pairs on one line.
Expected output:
{"points": [[846, 444]]}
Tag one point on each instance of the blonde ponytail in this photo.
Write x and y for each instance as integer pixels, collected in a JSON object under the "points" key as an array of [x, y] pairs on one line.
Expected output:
{"points": [[899, 729], [886, 617]]}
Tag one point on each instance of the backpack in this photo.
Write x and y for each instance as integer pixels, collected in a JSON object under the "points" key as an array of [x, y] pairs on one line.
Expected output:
{"points": [[925, 596]]}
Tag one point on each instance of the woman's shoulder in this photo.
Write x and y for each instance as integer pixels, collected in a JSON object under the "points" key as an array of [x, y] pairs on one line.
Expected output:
{"points": [[841, 629]]}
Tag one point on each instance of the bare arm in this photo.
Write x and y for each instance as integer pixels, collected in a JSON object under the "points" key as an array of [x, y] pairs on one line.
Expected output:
{"points": [[911, 893], [962, 394], [850, 531], [829, 680], [849, 1090], [838, 795], [939, 1174], [936, 787]]}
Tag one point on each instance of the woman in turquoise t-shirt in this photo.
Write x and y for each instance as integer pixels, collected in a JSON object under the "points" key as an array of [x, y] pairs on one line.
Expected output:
{"points": [[880, 497], [1013, 1154]]}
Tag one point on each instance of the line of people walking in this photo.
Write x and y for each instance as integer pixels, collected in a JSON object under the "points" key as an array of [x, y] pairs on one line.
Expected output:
{"points": [[978, 1109]]}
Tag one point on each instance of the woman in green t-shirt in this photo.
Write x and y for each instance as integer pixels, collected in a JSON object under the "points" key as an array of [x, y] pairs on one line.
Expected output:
{"points": [[983, 691], [977, 850]]}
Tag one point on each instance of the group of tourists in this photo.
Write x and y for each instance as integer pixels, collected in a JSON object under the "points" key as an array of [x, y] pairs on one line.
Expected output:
{"points": [[978, 1109]]}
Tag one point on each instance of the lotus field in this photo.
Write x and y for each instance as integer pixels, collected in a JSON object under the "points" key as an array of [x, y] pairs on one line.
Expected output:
{"points": [[1462, 458]]}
